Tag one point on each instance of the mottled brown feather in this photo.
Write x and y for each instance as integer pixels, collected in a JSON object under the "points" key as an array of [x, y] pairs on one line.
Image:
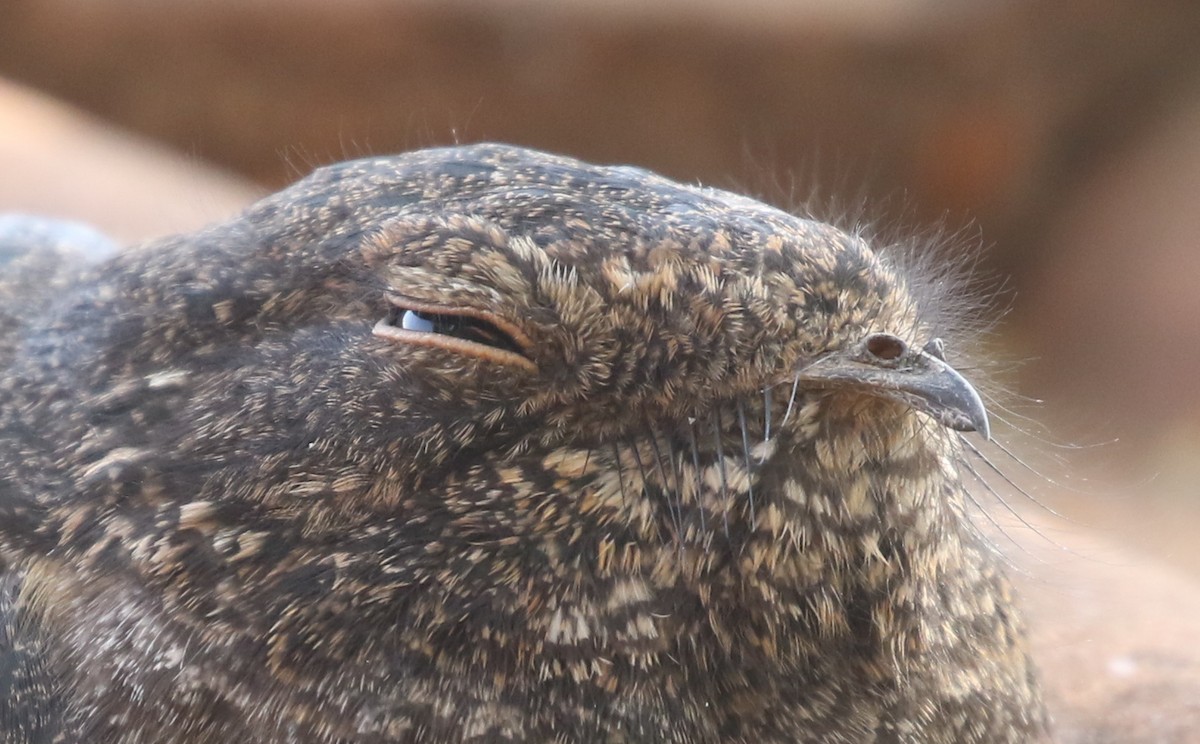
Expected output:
{"points": [[230, 512]]}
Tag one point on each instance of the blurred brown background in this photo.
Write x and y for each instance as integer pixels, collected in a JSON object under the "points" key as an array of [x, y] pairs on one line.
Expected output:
{"points": [[1065, 133]]}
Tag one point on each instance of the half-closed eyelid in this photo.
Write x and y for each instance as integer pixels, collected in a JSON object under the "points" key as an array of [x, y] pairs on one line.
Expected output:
{"points": [[460, 329], [452, 315], [466, 327]]}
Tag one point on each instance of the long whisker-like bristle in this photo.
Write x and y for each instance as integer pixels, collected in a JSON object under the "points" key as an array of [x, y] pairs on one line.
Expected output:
{"points": [[767, 413], [676, 464], [988, 516], [741, 412], [787, 414], [673, 497], [992, 466], [620, 473], [699, 484], [716, 414]]}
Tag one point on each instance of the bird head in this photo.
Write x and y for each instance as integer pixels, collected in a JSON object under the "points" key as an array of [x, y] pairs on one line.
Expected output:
{"points": [[579, 305], [384, 326]]}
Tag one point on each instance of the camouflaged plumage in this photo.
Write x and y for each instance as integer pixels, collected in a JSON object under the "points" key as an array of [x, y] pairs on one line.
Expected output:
{"points": [[239, 502]]}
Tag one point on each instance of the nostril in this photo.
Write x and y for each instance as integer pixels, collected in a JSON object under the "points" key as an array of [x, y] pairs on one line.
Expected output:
{"points": [[885, 346]]}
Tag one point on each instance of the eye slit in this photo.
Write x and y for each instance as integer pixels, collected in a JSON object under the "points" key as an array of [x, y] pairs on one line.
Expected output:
{"points": [[885, 346], [465, 327], [413, 320]]}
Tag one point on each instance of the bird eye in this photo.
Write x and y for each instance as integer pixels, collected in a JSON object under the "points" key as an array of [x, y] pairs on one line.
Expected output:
{"points": [[413, 320], [468, 328], [885, 346]]}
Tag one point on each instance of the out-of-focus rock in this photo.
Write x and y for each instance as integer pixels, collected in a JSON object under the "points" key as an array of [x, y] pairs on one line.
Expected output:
{"points": [[1115, 638]]}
